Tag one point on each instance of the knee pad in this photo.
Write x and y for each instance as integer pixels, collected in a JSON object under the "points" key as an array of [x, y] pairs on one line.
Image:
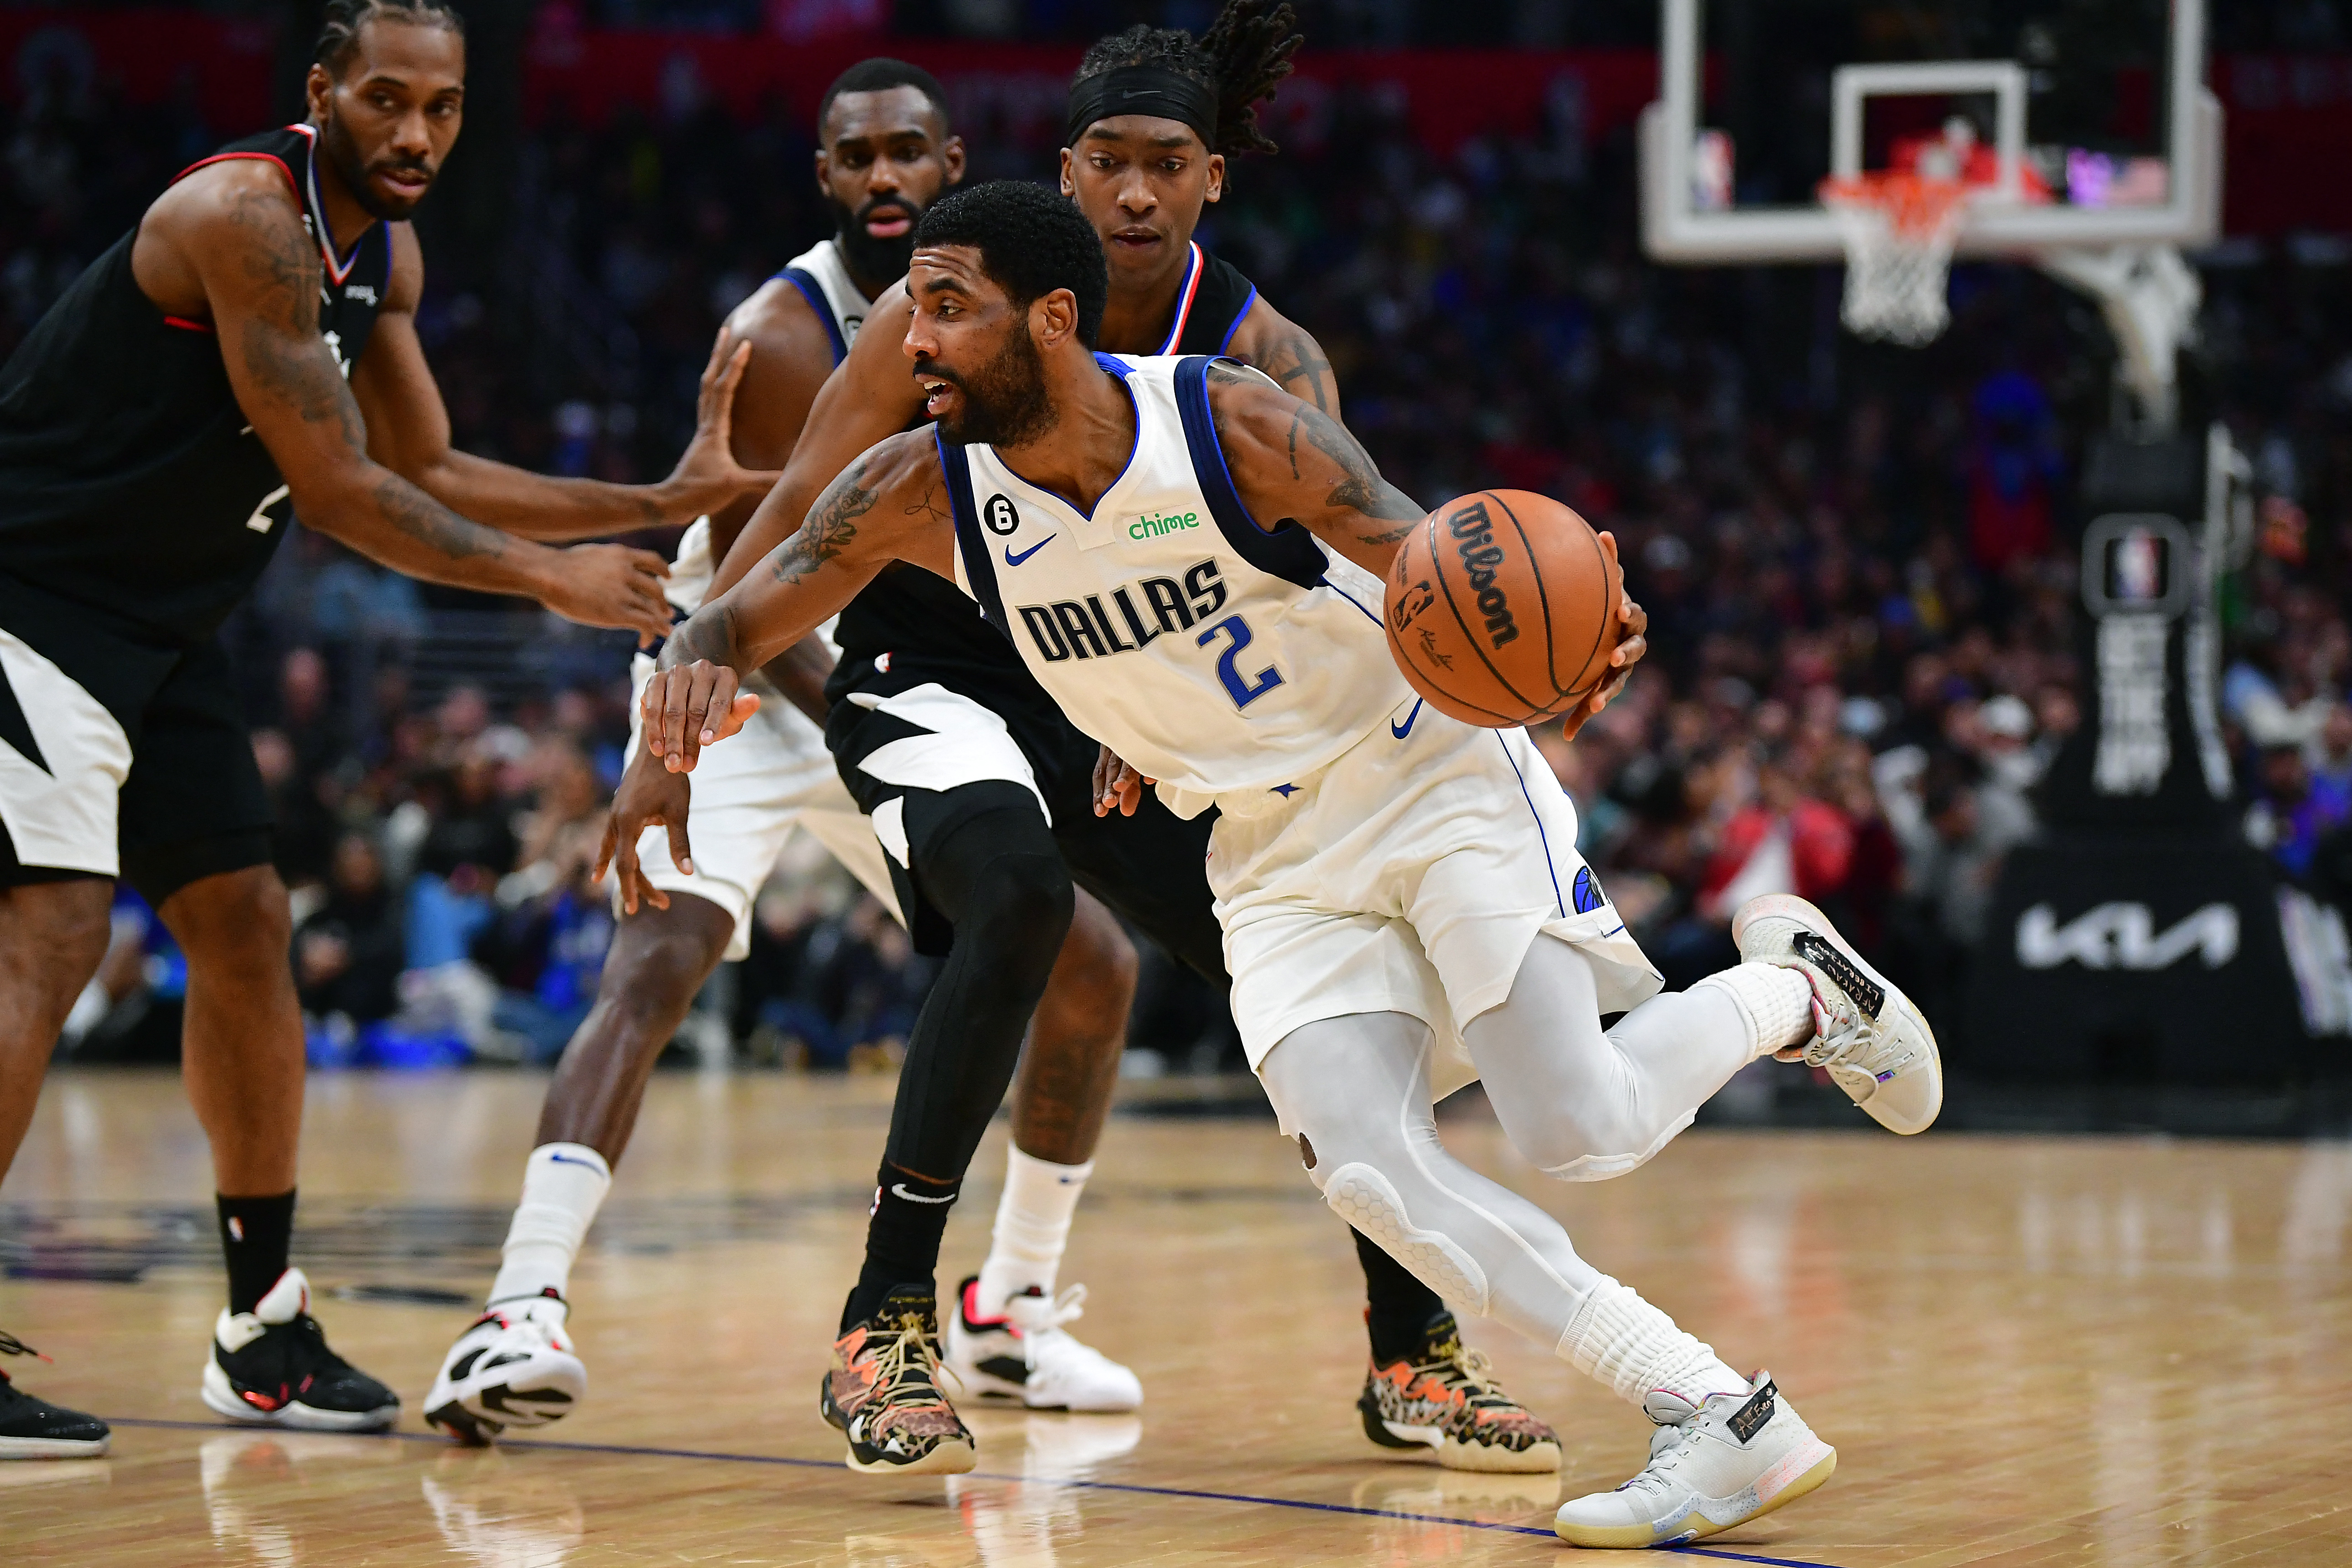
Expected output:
{"points": [[1368, 1201]]}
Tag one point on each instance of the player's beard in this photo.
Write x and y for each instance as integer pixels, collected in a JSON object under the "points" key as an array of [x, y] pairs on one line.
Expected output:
{"points": [[1004, 402], [336, 141], [870, 258]]}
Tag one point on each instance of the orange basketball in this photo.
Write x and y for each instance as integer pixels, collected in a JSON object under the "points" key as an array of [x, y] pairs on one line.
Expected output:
{"points": [[1502, 608]]}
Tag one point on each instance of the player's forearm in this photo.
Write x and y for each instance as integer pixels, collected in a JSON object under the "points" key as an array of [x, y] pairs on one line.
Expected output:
{"points": [[540, 506], [394, 522], [772, 522]]}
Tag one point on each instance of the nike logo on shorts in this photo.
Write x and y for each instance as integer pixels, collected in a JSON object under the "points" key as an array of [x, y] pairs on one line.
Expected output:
{"points": [[1013, 559], [1401, 731], [568, 1160], [899, 1188]]}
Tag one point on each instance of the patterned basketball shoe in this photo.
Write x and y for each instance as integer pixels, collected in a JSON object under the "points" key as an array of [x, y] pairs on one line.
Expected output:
{"points": [[1027, 1353], [1445, 1398], [883, 1393], [1735, 1457], [514, 1367], [1866, 1032], [33, 1429], [271, 1367]]}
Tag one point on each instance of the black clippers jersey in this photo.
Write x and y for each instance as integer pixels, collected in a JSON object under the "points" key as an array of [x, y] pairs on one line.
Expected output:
{"points": [[129, 477], [929, 629]]}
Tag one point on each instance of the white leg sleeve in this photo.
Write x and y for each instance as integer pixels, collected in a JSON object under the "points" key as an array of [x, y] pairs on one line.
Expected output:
{"points": [[1356, 1091], [1585, 1105]]}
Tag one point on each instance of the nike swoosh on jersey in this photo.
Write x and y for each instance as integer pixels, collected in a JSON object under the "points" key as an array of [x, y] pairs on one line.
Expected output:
{"points": [[1013, 559], [568, 1160], [900, 1189], [1400, 731]]}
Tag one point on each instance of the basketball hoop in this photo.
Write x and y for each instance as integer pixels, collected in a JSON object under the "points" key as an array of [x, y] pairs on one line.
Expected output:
{"points": [[1898, 230]]}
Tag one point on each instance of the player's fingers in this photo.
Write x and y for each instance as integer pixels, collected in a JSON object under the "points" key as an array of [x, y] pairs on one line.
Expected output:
{"points": [[681, 854], [1102, 775], [1609, 545], [676, 693], [625, 865], [739, 713], [720, 348], [605, 848], [647, 561], [1629, 651], [1130, 790]]}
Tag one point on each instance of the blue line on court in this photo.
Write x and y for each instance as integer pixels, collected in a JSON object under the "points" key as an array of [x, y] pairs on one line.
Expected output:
{"points": [[639, 1452]]}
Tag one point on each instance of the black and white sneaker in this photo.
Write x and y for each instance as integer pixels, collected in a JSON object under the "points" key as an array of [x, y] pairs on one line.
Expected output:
{"points": [[34, 1428], [514, 1366], [271, 1367]]}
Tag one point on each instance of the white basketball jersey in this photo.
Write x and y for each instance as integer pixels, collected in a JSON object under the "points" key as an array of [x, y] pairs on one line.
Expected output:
{"points": [[825, 284], [1215, 656]]}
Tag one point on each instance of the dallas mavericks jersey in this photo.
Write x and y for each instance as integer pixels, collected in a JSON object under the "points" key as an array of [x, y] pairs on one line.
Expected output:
{"points": [[1213, 655], [129, 479], [821, 279]]}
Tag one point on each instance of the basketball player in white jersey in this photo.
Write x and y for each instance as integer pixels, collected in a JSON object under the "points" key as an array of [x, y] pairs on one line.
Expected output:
{"points": [[1395, 887]]}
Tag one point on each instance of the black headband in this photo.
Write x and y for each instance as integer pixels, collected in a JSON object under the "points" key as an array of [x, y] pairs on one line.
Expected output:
{"points": [[1143, 89]]}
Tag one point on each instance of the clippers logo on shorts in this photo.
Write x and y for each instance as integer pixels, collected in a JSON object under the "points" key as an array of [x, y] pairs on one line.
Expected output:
{"points": [[1000, 516], [1749, 1418], [1473, 538], [1088, 628], [1866, 995]]}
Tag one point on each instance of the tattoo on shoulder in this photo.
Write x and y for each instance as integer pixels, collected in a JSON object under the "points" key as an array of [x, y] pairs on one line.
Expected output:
{"points": [[1299, 367], [831, 525], [282, 353]]}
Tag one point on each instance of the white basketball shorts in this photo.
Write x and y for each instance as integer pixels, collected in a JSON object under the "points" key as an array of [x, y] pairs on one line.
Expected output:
{"points": [[750, 791], [1409, 874]]}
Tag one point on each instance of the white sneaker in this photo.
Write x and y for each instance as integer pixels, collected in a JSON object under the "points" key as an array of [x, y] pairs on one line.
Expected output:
{"points": [[1026, 1354], [1865, 1032], [514, 1367], [1734, 1458]]}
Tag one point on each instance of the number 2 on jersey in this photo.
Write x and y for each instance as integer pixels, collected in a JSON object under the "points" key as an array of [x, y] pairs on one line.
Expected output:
{"points": [[1244, 689]]}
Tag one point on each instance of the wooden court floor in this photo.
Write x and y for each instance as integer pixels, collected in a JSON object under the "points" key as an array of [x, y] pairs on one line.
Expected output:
{"points": [[2028, 1351]]}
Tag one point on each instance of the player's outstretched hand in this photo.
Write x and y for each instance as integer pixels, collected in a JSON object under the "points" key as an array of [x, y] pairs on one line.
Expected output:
{"points": [[612, 585], [1117, 785], [649, 793], [708, 477], [1632, 622], [687, 706]]}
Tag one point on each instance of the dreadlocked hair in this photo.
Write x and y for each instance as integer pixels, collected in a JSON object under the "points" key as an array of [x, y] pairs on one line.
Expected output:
{"points": [[339, 35], [1245, 52]]}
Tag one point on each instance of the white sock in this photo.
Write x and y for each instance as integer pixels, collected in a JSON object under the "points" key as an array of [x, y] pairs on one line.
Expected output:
{"points": [[1777, 1003], [1033, 1227], [562, 1184], [1635, 1348]]}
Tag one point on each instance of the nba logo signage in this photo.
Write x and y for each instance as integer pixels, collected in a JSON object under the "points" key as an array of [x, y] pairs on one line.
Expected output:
{"points": [[2136, 584]]}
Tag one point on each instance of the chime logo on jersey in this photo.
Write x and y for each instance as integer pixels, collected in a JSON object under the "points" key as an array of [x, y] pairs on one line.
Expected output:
{"points": [[1474, 536], [1001, 515], [1090, 628], [1153, 524]]}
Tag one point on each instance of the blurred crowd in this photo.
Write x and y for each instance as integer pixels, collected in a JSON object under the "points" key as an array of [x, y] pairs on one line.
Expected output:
{"points": [[1857, 559]]}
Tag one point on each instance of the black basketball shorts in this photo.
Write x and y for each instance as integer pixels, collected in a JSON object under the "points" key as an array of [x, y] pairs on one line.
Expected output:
{"points": [[922, 761], [122, 754]]}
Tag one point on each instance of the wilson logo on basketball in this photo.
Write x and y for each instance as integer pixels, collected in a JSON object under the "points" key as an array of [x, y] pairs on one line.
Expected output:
{"points": [[1473, 537]]}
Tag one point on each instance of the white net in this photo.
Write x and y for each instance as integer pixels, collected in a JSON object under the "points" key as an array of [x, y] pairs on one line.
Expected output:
{"points": [[1899, 230]]}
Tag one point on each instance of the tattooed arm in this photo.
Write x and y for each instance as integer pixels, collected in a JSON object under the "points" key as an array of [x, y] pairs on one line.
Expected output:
{"points": [[227, 247], [888, 505], [1293, 462], [1287, 352], [869, 398]]}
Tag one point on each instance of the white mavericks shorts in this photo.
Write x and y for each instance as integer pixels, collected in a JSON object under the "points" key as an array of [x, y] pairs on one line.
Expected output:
{"points": [[1409, 875], [750, 791]]}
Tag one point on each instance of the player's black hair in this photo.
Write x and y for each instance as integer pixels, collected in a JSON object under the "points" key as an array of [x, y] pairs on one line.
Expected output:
{"points": [[1245, 52], [1031, 241], [880, 74], [338, 33]]}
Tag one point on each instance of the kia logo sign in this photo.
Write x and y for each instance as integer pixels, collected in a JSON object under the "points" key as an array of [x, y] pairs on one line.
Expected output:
{"points": [[2123, 936]]}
